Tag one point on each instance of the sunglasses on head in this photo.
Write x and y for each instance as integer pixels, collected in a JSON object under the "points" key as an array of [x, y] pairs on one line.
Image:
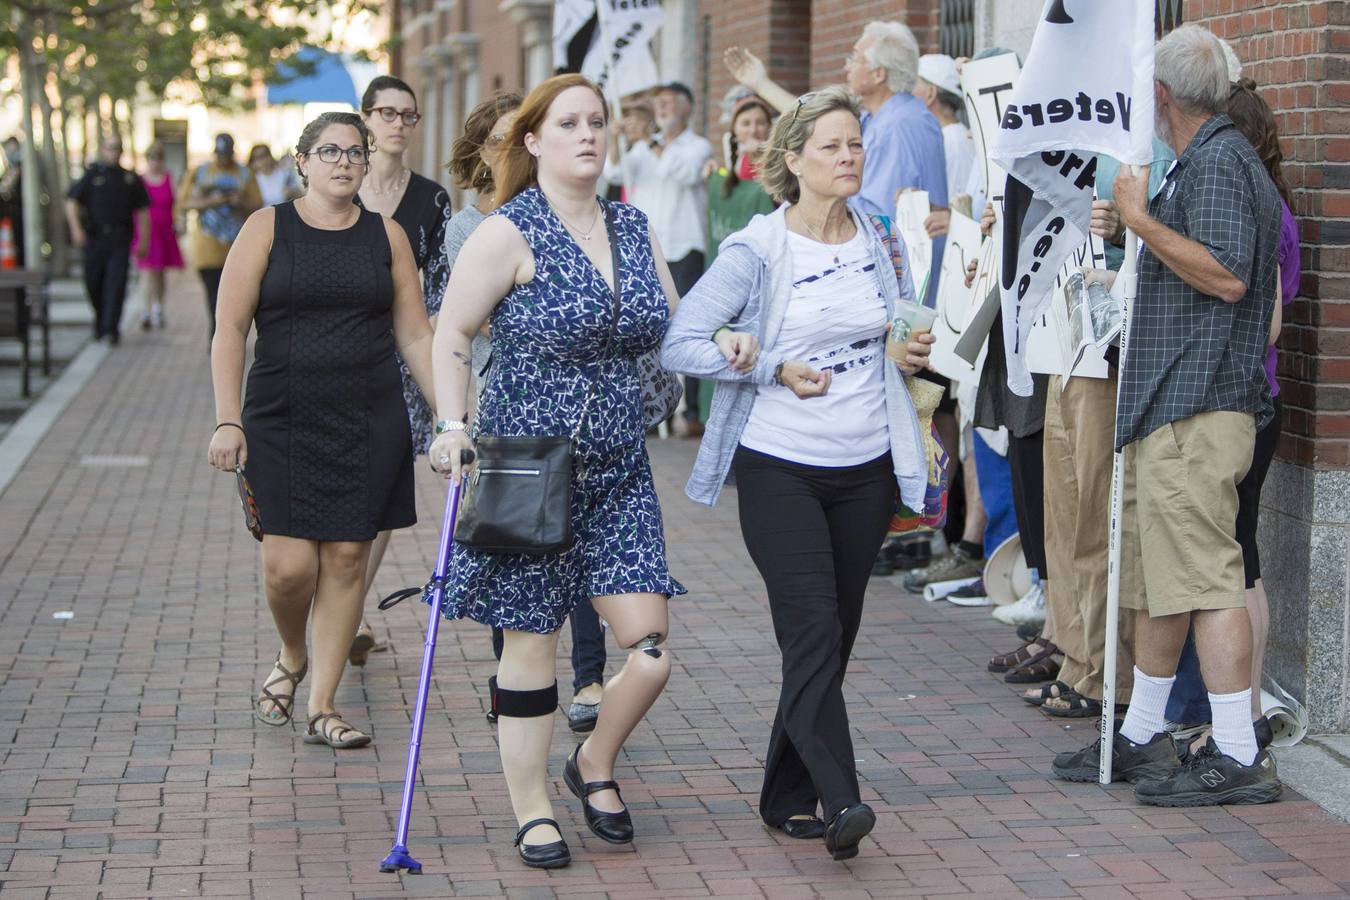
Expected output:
{"points": [[804, 98]]}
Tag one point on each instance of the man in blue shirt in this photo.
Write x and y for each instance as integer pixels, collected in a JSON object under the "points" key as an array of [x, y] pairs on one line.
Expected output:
{"points": [[901, 138]]}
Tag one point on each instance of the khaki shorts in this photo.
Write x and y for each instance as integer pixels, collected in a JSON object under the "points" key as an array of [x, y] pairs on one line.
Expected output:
{"points": [[1178, 548]]}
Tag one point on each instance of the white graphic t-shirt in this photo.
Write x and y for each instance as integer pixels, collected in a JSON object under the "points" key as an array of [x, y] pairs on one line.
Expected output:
{"points": [[835, 320]]}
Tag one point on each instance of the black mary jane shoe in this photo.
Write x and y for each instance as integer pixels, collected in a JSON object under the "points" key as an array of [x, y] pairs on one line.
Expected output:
{"points": [[615, 828], [542, 856], [802, 829], [849, 826]]}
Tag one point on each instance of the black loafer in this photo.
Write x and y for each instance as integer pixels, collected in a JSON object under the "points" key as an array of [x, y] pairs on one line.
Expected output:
{"points": [[542, 856], [849, 826], [802, 829], [581, 717], [615, 828]]}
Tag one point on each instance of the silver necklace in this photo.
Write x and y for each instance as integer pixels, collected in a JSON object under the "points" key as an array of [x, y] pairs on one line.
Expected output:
{"points": [[584, 235], [819, 239], [398, 185]]}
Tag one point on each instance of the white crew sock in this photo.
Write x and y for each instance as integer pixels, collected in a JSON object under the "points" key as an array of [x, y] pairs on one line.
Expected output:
{"points": [[1148, 702], [1233, 732]]}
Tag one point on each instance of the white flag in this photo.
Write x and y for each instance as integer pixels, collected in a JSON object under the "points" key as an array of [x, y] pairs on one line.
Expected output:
{"points": [[1086, 88], [608, 41]]}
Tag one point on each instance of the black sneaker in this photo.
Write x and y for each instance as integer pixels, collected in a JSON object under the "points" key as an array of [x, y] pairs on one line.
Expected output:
{"points": [[1129, 761], [1211, 778]]}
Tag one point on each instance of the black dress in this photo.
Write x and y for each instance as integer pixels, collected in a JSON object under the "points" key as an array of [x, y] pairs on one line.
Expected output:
{"points": [[329, 454]]}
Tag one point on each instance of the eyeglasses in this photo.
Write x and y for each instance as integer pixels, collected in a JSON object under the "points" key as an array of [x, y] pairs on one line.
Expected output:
{"points": [[804, 98], [331, 153], [389, 114]]}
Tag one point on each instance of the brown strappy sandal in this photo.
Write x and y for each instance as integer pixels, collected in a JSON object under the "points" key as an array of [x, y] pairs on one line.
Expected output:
{"points": [[284, 702], [333, 732]]}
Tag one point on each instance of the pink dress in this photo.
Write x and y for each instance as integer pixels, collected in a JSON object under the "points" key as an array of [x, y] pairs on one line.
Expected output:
{"points": [[164, 252]]}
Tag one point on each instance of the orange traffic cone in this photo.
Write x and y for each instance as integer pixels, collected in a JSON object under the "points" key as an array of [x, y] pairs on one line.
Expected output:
{"points": [[9, 255]]}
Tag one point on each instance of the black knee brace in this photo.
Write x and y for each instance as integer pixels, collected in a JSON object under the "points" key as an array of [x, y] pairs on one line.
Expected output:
{"points": [[527, 704], [648, 645]]}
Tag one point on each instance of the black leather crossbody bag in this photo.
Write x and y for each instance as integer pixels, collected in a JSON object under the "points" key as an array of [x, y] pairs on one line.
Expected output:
{"points": [[518, 499]]}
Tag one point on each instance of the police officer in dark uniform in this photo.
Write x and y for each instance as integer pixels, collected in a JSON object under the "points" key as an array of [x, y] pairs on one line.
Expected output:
{"points": [[99, 209]]}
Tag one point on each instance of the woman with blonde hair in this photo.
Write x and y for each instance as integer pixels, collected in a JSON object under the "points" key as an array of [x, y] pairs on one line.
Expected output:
{"points": [[543, 268], [818, 434]]}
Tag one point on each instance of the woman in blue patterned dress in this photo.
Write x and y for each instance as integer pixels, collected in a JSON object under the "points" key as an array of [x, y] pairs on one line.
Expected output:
{"points": [[540, 267]]}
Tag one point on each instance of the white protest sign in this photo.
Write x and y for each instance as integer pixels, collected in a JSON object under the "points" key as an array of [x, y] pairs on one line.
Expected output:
{"points": [[987, 85], [1050, 349], [911, 209], [956, 303]]}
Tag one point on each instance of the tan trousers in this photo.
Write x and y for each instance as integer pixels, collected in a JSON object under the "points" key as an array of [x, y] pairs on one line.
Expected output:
{"points": [[1079, 431]]}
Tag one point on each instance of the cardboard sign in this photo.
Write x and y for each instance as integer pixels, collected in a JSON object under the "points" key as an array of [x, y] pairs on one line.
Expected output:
{"points": [[959, 306]]}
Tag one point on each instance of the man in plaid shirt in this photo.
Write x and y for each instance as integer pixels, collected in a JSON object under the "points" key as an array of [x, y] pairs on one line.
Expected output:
{"points": [[1193, 394]]}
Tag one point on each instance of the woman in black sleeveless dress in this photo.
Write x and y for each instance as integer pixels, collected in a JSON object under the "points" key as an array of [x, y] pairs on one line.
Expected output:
{"points": [[323, 435]]}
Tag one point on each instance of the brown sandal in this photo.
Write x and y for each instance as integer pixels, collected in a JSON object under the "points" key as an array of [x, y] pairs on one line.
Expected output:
{"points": [[1052, 691], [1020, 657], [333, 732], [1072, 705], [282, 703], [1041, 667]]}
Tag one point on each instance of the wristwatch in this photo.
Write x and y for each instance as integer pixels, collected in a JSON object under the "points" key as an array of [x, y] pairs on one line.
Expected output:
{"points": [[445, 425]]}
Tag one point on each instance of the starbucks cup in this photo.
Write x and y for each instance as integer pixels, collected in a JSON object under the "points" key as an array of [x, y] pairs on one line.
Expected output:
{"points": [[911, 319]]}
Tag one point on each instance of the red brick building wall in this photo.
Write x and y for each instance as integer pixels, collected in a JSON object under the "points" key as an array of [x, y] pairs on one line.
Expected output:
{"points": [[1296, 50]]}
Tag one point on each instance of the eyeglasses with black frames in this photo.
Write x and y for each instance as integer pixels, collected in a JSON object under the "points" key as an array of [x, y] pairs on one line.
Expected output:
{"points": [[331, 153], [389, 114]]}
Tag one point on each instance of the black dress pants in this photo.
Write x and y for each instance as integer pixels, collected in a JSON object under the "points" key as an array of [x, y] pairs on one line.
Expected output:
{"points": [[107, 261], [211, 281], [1026, 461], [813, 533], [685, 272]]}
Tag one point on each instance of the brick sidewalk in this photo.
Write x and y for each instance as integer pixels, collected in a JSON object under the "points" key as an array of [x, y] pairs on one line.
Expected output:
{"points": [[133, 767]]}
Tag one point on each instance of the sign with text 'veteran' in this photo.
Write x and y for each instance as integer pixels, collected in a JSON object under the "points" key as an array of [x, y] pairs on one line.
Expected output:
{"points": [[1086, 88]]}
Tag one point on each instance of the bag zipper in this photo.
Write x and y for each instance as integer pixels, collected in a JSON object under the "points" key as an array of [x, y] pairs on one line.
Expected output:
{"points": [[480, 471]]}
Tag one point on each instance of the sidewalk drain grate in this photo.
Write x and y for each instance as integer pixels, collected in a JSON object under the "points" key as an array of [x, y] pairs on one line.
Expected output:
{"points": [[115, 462]]}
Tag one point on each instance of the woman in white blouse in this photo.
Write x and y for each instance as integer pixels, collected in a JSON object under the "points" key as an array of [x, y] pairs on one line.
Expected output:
{"points": [[819, 434]]}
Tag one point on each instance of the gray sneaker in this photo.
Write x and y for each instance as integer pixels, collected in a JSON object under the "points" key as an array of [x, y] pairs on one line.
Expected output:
{"points": [[957, 564]]}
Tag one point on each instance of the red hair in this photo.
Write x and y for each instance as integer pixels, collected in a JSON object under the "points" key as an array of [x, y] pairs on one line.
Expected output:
{"points": [[520, 170]]}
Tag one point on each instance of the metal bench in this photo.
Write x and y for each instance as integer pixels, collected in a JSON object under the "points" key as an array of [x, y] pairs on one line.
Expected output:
{"points": [[23, 304]]}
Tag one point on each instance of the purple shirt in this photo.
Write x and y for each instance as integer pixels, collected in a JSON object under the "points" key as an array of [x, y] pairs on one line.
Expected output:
{"points": [[1289, 277]]}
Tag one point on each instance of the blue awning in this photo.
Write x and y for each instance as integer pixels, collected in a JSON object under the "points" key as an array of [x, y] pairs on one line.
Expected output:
{"points": [[329, 82]]}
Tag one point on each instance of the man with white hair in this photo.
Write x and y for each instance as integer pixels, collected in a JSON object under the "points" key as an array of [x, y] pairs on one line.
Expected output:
{"points": [[939, 87], [1193, 394], [901, 138]]}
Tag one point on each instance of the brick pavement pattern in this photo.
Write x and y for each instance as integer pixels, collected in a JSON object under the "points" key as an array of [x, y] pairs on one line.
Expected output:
{"points": [[132, 766]]}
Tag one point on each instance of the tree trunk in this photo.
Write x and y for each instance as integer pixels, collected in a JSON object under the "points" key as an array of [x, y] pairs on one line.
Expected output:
{"points": [[56, 191], [32, 187]]}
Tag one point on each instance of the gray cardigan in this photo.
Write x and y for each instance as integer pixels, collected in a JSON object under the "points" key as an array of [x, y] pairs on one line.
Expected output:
{"points": [[748, 287]]}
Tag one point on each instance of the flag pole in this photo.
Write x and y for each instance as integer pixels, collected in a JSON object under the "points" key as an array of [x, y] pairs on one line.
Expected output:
{"points": [[611, 90], [1125, 290]]}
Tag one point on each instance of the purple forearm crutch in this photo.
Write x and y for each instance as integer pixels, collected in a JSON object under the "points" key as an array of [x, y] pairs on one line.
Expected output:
{"points": [[398, 857]]}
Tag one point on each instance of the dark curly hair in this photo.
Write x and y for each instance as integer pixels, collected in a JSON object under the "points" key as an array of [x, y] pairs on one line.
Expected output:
{"points": [[310, 136], [1253, 117], [466, 162]]}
